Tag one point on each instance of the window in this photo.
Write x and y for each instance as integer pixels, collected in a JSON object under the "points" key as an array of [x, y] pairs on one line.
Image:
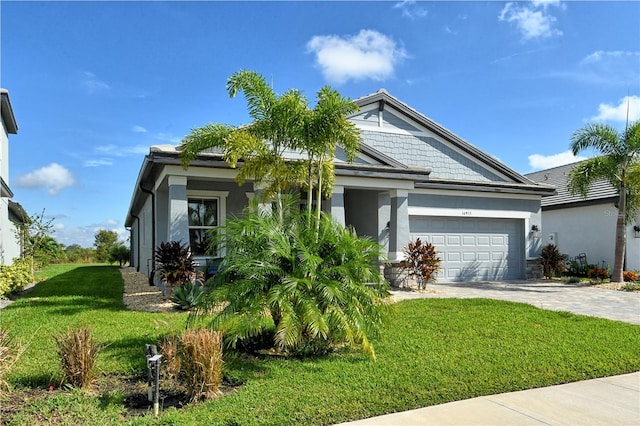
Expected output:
{"points": [[203, 217]]}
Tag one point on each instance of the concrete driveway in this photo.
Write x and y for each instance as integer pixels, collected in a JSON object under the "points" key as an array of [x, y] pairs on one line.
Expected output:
{"points": [[555, 296]]}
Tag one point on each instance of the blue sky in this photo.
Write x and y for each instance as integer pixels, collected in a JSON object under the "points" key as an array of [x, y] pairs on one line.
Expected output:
{"points": [[94, 84]]}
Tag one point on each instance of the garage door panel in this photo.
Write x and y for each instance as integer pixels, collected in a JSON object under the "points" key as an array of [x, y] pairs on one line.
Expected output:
{"points": [[483, 240], [484, 256], [469, 256], [469, 240], [453, 240], [474, 249], [454, 256]]}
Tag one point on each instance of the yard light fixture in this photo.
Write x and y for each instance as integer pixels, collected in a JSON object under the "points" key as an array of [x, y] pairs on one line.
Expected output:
{"points": [[636, 229], [535, 231]]}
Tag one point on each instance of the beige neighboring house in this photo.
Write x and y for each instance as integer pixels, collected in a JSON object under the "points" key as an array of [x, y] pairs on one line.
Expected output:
{"points": [[11, 213]]}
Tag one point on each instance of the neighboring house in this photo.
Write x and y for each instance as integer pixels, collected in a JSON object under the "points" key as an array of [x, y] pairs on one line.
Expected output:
{"points": [[578, 225], [10, 213], [412, 179]]}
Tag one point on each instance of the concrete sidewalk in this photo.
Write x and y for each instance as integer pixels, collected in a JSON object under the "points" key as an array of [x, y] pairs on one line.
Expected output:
{"points": [[605, 401]]}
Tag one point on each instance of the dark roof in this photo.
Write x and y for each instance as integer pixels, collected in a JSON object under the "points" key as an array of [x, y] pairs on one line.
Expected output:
{"points": [[18, 213], [600, 191], [7, 112]]}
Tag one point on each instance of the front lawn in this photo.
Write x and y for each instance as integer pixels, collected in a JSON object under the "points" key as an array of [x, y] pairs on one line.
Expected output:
{"points": [[433, 351]]}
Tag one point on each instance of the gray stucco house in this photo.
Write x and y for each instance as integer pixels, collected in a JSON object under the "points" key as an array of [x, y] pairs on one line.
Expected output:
{"points": [[412, 179], [585, 225]]}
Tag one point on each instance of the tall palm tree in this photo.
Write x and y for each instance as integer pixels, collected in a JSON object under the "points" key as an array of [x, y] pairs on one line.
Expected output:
{"points": [[619, 164], [326, 128], [260, 145]]}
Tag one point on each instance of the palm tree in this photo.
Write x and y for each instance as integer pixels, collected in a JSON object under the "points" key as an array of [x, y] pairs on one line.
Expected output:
{"points": [[326, 128], [619, 164], [276, 125], [283, 287]]}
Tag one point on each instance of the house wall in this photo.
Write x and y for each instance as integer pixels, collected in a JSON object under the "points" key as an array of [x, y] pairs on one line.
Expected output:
{"points": [[590, 230], [9, 247], [361, 212], [142, 239]]}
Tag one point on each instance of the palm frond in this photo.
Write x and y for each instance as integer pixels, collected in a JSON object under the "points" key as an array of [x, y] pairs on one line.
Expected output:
{"points": [[202, 139], [601, 137]]}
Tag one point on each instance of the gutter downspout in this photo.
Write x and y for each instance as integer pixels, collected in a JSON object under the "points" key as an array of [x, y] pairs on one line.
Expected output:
{"points": [[137, 242]]}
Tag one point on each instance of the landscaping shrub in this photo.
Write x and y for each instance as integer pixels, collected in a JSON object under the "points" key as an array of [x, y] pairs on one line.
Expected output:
{"points": [[78, 352], [187, 296], [168, 347], [597, 273], [422, 262], [200, 354], [176, 263], [297, 285], [630, 276], [15, 277], [631, 286], [553, 262], [9, 354]]}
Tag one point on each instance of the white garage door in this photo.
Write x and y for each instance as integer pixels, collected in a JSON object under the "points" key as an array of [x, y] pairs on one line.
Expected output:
{"points": [[473, 249]]}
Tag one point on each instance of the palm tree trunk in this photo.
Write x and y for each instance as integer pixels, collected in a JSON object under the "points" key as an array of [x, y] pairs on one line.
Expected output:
{"points": [[621, 237], [319, 196]]}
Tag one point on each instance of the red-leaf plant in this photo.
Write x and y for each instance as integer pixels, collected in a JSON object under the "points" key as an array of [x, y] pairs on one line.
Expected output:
{"points": [[422, 262]]}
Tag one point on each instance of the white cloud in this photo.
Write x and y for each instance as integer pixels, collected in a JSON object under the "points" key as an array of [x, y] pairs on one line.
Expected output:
{"points": [[532, 20], [138, 129], [611, 67], [411, 10], [53, 177], [368, 54], [608, 112], [97, 163], [120, 151], [541, 162], [91, 84]]}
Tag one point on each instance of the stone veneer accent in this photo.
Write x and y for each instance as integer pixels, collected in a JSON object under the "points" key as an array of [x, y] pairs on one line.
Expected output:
{"points": [[534, 269]]}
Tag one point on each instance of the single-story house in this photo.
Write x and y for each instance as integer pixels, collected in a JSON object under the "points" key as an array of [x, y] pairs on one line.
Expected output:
{"points": [[585, 225], [412, 179], [10, 212]]}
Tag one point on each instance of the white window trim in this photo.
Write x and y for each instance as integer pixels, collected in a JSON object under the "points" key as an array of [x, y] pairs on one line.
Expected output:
{"points": [[221, 196]]}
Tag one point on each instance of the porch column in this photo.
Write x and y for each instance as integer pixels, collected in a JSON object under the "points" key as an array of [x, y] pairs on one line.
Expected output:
{"points": [[337, 204], [399, 224], [178, 223]]}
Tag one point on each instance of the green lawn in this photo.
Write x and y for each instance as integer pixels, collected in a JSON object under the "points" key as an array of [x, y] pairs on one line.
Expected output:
{"points": [[433, 351]]}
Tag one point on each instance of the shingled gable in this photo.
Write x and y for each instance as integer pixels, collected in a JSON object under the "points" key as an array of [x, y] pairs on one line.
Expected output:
{"points": [[489, 174]]}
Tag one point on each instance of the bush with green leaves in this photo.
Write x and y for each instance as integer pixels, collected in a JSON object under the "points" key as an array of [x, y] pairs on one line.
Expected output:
{"points": [[553, 262], [119, 253], [15, 277], [296, 284], [188, 296]]}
